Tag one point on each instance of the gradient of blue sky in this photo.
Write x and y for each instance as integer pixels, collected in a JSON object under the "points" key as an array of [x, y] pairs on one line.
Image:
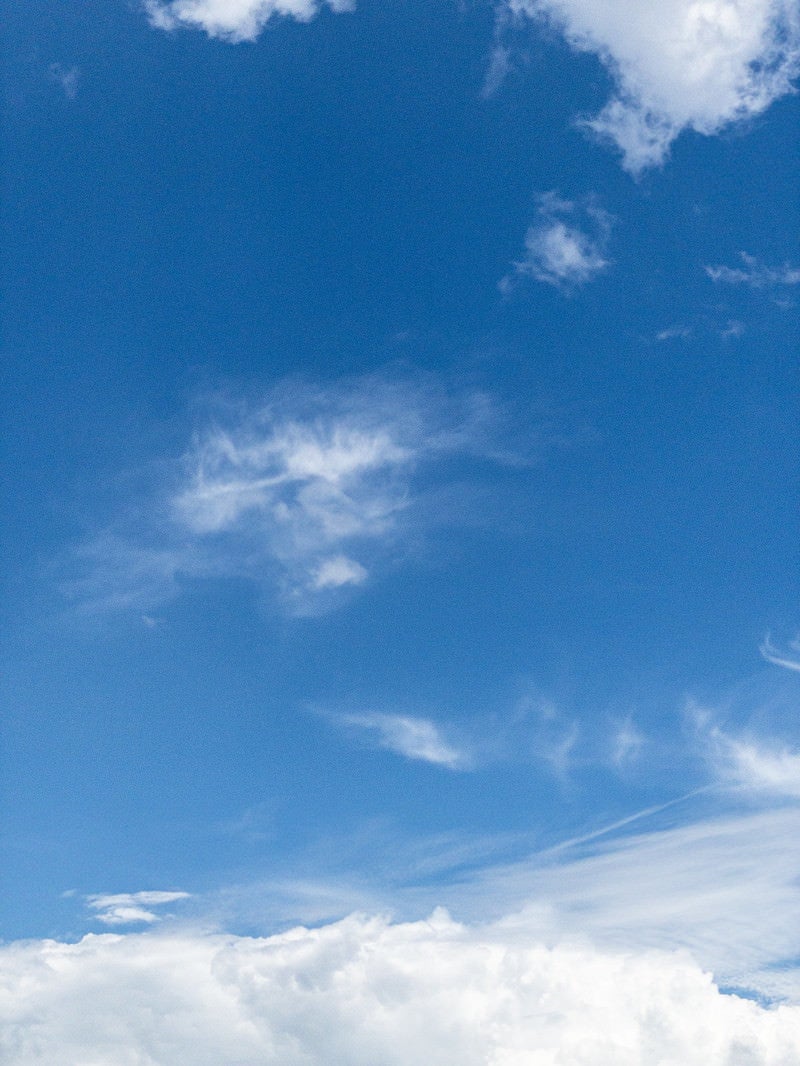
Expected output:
{"points": [[401, 458]]}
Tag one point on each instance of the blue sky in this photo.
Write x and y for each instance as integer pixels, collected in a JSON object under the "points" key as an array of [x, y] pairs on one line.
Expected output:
{"points": [[401, 449]]}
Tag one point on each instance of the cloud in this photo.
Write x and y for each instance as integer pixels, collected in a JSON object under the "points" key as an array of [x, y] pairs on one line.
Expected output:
{"points": [[674, 333], [127, 908], [365, 991], [680, 64], [307, 490], [233, 20], [67, 78], [565, 246], [751, 764], [754, 274], [788, 659], [415, 738]]}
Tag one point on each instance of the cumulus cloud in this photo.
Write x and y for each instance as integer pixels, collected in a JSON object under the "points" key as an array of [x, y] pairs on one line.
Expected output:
{"points": [[233, 20], [565, 246], [307, 490], [364, 991], [415, 738], [754, 274], [678, 65], [128, 908]]}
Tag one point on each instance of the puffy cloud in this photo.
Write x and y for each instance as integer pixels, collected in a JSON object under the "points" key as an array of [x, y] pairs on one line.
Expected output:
{"points": [[363, 991], [232, 20], [565, 246], [127, 908], [754, 274], [679, 64], [415, 738]]}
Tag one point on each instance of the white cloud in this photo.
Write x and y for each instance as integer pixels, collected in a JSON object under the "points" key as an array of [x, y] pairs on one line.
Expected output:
{"points": [[337, 571], [233, 20], [565, 245], [415, 738], [788, 659], [674, 333], [67, 78], [678, 64], [754, 766], [127, 908], [308, 490], [363, 991], [754, 274]]}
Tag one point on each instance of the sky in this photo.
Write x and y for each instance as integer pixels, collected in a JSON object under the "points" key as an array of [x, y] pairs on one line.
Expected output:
{"points": [[400, 618]]}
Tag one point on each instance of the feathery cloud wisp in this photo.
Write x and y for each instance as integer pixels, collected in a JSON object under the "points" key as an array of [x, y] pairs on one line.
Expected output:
{"points": [[307, 490], [128, 908], [415, 738], [754, 274], [788, 659]]}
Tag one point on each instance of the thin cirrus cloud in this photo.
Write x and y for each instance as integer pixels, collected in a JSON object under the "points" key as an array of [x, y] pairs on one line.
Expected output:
{"points": [[565, 245], [414, 738], [365, 991], [678, 65], [307, 491], [233, 20], [754, 274], [130, 908], [790, 659]]}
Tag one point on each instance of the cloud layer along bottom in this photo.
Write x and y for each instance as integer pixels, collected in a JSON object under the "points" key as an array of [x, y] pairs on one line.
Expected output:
{"points": [[364, 991]]}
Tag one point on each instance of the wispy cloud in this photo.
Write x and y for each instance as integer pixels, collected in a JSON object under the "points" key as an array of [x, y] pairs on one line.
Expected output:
{"points": [[754, 274], [565, 246], [674, 333], [233, 20], [307, 490], [67, 78], [790, 659], [678, 65], [415, 738], [131, 908]]}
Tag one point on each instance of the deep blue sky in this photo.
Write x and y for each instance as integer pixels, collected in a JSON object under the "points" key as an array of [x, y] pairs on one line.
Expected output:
{"points": [[591, 528]]}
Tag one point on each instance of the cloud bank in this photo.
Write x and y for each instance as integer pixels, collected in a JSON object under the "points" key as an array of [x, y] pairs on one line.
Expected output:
{"points": [[565, 246], [233, 20], [363, 991], [678, 65]]}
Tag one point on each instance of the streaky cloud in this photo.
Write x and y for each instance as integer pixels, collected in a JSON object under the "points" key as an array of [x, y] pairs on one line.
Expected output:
{"points": [[415, 738], [779, 658], [130, 908], [308, 490], [754, 274]]}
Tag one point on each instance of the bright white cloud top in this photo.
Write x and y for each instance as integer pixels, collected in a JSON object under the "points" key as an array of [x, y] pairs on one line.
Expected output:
{"points": [[362, 992], [233, 20], [683, 64]]}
